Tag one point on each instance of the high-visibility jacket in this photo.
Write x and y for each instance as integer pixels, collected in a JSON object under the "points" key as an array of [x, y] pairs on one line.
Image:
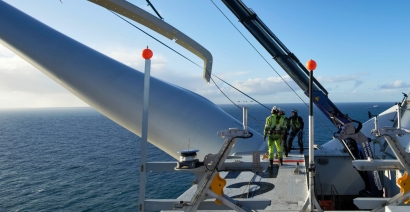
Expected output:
{"points": [[296, 122], [274, 122]]}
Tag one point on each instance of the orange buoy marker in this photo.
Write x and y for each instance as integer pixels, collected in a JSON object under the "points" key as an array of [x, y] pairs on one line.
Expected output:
{"points": [[146, 54], [311, 65]]}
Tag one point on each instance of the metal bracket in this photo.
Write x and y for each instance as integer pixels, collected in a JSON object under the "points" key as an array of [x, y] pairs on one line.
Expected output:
{"points": [[139, 15], [390, 133]]}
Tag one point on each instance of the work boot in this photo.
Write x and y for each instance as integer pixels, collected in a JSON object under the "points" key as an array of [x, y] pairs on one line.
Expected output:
{"points": [[286, 154], [270, 163], [280, 162]]}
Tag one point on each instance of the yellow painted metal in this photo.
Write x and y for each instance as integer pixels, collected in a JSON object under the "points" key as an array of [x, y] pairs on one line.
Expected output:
{"points": [[217, 186], [404, 183]]}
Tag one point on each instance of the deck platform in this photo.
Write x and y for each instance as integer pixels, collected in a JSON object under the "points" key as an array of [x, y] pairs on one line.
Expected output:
{"points": [[286, 190]]}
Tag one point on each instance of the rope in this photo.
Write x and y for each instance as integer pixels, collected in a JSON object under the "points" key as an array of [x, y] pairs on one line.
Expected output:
{"points": [[256, 120], [267, 62], [241, 92], [200, 67], [154, 38]]}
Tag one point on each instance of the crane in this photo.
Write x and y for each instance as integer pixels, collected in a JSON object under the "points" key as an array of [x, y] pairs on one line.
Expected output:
{"points": [[356, 143]]}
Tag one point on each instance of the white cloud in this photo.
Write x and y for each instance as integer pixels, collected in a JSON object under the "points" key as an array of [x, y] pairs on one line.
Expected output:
{"points": [[191, 79], [261, 86], [356, 79], [133, 59], [358, 83], [130, 58], [17, 75], [395, 85], [228, 75], [31, 88], [22, 85]]}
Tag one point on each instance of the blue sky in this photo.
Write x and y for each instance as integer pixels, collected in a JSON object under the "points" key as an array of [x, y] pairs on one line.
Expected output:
{"points": [[361, 48]]}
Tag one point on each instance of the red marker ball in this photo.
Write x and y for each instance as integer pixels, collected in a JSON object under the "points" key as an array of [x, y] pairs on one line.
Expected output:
{"points": [[147, 54], [311, 65]]}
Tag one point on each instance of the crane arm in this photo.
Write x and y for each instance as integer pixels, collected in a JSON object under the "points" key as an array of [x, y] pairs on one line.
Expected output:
{"points": [[353, 139], [286, 59]]}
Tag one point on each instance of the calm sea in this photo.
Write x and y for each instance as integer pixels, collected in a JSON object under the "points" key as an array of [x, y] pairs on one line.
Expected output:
{"points": [[75, 159]]}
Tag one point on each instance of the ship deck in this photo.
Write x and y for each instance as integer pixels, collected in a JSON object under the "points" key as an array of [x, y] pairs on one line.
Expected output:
{"points": [[286, 190]]}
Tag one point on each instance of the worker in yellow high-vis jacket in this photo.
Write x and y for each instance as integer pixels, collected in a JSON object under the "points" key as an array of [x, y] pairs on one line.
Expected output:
{"points": [[275, 127]]}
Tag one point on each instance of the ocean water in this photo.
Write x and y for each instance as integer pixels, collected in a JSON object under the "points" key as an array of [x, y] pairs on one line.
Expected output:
{"points": [[75, 159]]}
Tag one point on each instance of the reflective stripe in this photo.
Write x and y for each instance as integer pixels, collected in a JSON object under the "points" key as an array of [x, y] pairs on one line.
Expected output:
{"points": [[281, 122], [271, 123], [279, 125], [297, 125]]}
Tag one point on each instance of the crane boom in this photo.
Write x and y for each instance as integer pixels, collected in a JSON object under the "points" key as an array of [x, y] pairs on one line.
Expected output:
{"points": [[353, 139]]}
